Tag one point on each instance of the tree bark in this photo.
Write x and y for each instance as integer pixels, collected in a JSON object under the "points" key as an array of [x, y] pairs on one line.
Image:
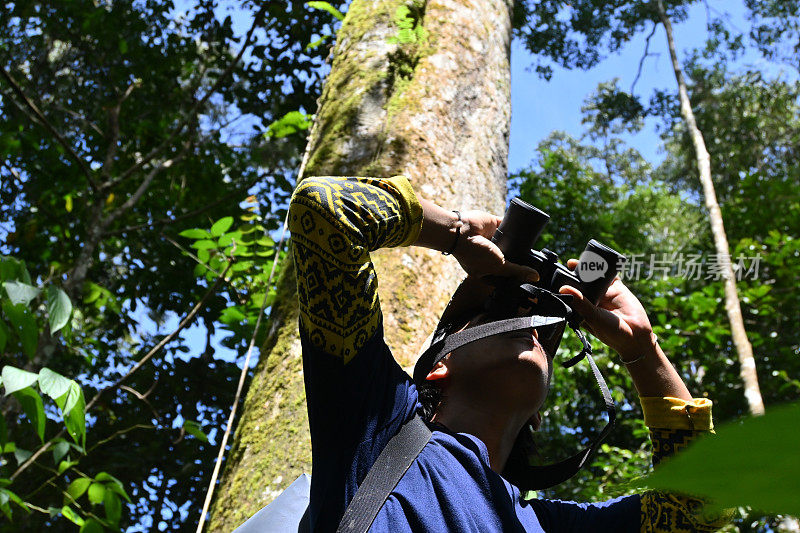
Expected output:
{"points": [[434, 106], [747, 368]]}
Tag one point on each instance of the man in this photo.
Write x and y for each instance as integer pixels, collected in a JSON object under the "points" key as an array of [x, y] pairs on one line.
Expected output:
{"points": [[359, 398]]}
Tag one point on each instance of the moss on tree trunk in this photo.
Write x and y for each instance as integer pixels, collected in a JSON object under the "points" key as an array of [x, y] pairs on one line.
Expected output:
{"points": [[415, 88]]}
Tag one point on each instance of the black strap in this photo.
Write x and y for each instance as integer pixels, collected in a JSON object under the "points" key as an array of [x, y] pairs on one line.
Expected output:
{"points": [[436, 353], [547, 476], [384, 475]]}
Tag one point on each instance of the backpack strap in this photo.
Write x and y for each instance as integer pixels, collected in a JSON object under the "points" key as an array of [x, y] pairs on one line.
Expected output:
{"points": [[384, 475]]}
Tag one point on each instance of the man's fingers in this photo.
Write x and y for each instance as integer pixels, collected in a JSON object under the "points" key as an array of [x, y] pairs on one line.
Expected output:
{"points": [[521, 272], [580, 303], [572, 263]]}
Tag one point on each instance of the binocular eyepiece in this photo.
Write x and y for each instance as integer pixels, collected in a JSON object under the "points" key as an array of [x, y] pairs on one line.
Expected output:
{"points": [[521, 227]]}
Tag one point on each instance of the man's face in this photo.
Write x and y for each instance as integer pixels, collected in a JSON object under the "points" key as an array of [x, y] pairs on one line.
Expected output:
{"points": [[512, 368]]}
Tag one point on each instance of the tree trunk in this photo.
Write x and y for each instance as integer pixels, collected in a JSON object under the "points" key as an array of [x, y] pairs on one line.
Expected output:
{"points": [[747, 363], [432, 103]]}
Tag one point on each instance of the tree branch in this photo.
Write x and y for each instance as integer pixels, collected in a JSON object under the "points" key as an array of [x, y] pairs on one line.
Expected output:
{"points": [[188, 116], [49, 127], [137, 195], [644, 56], [166, 340], [168, 221], [113, 131]]}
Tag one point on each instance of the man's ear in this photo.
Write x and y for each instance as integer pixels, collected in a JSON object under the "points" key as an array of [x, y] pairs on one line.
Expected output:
{"points": [[440, 371]]}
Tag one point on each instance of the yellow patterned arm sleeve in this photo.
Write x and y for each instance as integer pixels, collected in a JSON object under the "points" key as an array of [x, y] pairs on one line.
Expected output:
{"points": [[335, 222], [673, 424]]}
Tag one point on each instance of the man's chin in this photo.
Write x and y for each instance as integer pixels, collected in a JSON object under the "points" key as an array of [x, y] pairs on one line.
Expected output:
{"points": [[535, 421]]}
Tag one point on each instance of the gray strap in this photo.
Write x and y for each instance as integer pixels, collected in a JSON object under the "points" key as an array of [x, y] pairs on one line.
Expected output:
{"points": [[436, 352], [384, 475]]}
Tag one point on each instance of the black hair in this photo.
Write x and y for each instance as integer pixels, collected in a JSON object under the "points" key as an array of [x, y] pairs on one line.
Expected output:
{"points": [[430, 396]]}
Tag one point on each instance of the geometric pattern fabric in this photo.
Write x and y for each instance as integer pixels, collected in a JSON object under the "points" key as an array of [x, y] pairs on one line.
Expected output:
{"points": [[335, 223]]}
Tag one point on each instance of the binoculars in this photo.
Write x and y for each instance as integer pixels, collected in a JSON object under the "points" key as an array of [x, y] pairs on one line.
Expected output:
{"points": [[521, 227]]}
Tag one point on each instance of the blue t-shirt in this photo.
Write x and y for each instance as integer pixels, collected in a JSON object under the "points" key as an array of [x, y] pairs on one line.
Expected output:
{"points": [[355, 409]]}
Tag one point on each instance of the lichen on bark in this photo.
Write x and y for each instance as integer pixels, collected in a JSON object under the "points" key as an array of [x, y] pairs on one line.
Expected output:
{"points": [[432, 103]]}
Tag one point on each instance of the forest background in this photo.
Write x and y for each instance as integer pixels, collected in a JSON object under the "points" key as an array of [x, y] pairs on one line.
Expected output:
{"points": [[148, 151]]}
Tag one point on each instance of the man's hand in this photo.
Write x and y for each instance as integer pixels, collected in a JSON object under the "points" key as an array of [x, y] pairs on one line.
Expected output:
{"points": [[618, 319], [479, 256], [474, 250]]}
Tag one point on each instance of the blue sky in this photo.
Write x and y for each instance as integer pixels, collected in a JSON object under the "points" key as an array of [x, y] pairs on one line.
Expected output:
{"points": [[539, 107]]}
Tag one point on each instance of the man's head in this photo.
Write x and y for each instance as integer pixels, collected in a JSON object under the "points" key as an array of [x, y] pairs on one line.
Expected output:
{"points": [[510, 370]]}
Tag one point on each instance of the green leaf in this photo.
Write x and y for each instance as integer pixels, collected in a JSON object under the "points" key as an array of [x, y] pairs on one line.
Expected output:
{"points": [[221, 226], [73, 406], [194, 233], [193, 428], [113, 506], [53, 384], [60, 449], [14, 498], [34, 409], [69, 398], [290, 123], [325, 6], [92, 526], [112, 483], [97, 492], [20, 293], [59, 308], [204, 245], [761, 452], [228, 238], [231, 315], [11, 268], [15, 379], [78, 487], [72, 516], [63, 466], [25, 324], [20, 455]]}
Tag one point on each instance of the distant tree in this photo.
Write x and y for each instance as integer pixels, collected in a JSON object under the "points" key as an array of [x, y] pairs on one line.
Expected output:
{"points": [[573, 34]]}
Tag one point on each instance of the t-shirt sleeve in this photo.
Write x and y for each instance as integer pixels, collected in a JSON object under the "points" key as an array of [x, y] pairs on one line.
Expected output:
{"points": [[674, 424], [357, 395], [620, 515], [335, 223]]}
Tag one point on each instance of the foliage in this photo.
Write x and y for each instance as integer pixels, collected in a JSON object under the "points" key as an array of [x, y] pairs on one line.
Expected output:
{"points": [[621, 207], [761, 452], [575, 34], [776, 29], [605, 190], [123, 124]]}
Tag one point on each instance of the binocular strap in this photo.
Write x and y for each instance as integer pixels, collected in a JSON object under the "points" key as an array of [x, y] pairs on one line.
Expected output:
{"points": [[533, 477], [544, 477], [470, 335]]}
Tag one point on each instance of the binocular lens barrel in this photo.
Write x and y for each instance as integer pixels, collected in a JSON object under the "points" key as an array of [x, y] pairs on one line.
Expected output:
{"points": [[520, 229], [597, 268]]}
